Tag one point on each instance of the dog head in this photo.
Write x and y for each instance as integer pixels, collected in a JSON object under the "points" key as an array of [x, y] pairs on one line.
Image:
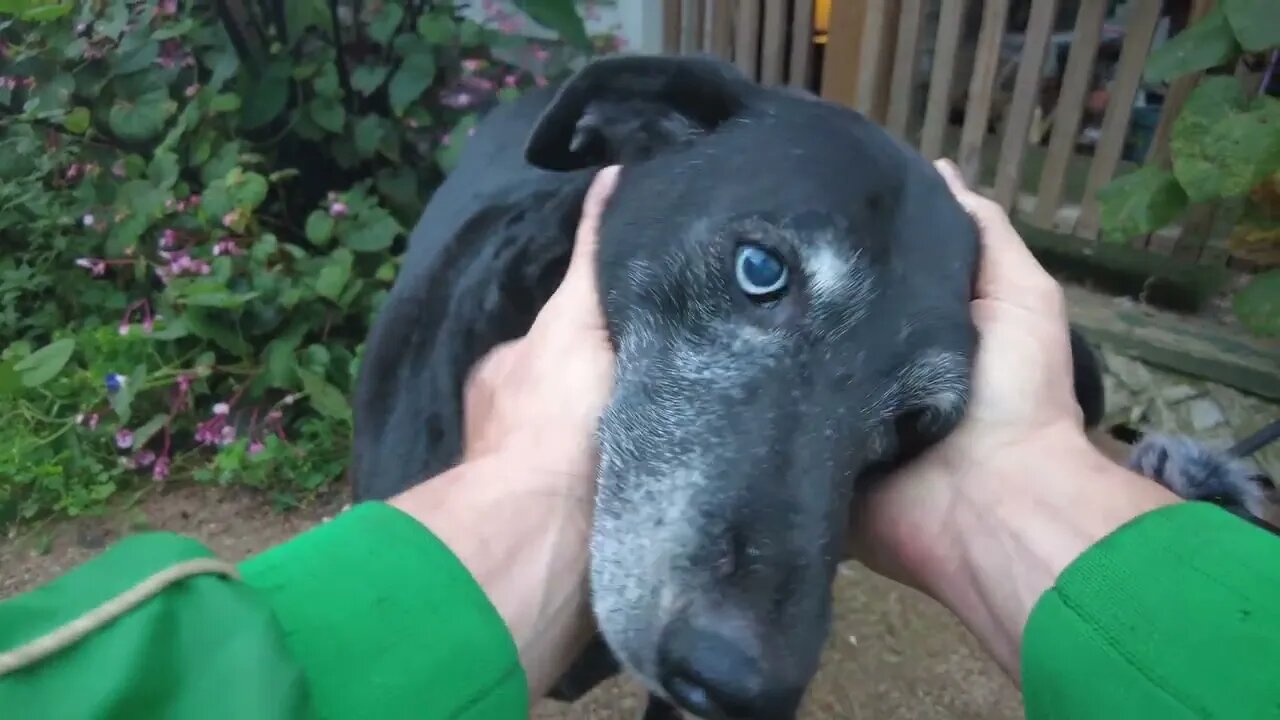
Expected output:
{"points": [[787, 289]]}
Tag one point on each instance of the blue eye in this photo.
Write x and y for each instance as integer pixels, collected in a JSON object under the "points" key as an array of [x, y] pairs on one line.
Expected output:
{"points": [[760, 271]]}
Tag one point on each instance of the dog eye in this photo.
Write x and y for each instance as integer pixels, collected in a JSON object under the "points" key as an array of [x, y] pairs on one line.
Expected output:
{"points": [[760, 271]]}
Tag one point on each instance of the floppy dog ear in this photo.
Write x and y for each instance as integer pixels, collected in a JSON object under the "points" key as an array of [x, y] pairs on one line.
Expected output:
{"points": [[627, 107]]}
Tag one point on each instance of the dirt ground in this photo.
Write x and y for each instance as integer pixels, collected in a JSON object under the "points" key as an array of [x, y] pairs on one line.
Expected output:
{"points": [[893, 654]]}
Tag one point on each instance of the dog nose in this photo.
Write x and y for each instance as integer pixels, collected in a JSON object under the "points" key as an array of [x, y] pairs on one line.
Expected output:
{"points": [[717, 678]]}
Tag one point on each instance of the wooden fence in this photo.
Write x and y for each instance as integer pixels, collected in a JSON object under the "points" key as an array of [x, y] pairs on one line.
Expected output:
{"points": [[951, 77]]}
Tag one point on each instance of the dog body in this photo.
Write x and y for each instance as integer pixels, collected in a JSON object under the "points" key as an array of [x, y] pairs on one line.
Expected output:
{"points": [[787, 289]]}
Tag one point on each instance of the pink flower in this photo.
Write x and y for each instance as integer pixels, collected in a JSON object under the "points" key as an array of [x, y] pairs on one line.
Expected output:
{"points": [[96, 267], [472, 65], [168, 238], [124, 439], [148, 325], [192, 90], [231, 218], [338, 209], [73, 172], [92, 421], [227, 246], [510, 81], [183, 382], [256, 447], [541, 54], [161, 471], [227, 435], [144, 458], [194, 200], [123, 329], [221, 409]]}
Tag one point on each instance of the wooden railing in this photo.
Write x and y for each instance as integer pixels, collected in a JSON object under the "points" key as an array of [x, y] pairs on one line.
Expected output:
{"points": [[914, 65]]}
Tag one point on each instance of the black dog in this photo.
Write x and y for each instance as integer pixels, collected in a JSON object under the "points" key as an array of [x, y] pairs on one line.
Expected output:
{"points": [[787, 290]]}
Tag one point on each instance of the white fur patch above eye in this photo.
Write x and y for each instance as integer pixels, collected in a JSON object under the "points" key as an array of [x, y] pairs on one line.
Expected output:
{"points": [[830, 272]]}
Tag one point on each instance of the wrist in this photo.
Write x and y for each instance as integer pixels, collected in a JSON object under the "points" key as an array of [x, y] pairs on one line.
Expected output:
{"points": [[523, 535], [1019, 521]]}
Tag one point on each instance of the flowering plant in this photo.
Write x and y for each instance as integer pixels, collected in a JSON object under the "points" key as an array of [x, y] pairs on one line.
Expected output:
{"points": [[203, 204]]}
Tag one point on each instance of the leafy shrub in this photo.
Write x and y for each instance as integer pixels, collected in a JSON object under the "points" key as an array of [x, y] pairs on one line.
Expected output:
{"points": [[202, 205], [1224, 145]]}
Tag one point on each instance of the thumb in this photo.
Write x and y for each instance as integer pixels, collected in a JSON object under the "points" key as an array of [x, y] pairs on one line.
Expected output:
{"points": [[577, 293]]}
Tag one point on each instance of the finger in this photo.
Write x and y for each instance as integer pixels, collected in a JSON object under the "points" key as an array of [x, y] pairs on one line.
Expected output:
{"points": [[1008, 271], [577, 291]]}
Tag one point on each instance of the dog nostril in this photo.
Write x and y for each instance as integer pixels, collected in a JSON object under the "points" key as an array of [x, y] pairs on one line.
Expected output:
{"points": [[711, 676]]}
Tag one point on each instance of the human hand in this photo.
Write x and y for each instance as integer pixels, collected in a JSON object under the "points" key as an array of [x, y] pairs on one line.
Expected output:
{"points": [[1022, 407], [517, 510], [540, 397], [986, 520]]}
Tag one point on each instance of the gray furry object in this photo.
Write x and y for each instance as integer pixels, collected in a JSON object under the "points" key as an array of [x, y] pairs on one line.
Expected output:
{"points": [[1195, 471]]}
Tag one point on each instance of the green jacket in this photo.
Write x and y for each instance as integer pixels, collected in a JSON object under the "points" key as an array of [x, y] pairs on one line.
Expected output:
{"points": [[1175, 615]]}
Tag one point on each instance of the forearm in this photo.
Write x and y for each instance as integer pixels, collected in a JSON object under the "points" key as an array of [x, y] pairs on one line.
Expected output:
{"points": [[526, 545], [1020, 525]]}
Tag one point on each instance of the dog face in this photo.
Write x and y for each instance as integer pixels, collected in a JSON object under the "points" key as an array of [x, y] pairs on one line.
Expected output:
{"points": [[787, 289]]}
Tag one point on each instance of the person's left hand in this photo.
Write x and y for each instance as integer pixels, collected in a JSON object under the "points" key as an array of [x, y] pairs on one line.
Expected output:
{"points": [[540, 397]]}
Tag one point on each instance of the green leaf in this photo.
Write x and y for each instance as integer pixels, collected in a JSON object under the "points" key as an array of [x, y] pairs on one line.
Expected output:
{"points": [[334, 275], [163, 170], [148, 430], [1255, 22], [412, 79], [1257, 305], [325, 398], [319, 227], [122, 400], [281, 363], [139, 58], [142, 119], [303, 14], [560, 16], [1204, 44], [224, 102], [368, 78], [10, 380], [437, 28], [267, 95], [369, 131], [328, 113], [42, 11], [383, 26], [1140, 203], [326, 83], [1222, 147], [53, 95], [209, 293], [374, 231], [77, 121], [447, 155], [44, 364]]}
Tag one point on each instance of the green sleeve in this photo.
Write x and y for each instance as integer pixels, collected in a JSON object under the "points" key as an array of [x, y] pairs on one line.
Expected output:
{"points": [[368, 615], [1174, 615]]}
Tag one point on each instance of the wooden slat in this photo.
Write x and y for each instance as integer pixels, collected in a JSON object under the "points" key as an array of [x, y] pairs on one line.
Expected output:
{"points": [[801, 43], [841, 66], [720, 17], [1115, 123], [950, 19], [671, 25], [902, 80], [879, 35], [1068, 111], [746, 39], [692, 13], [978, 108], [1026, 96], [773, 54]]}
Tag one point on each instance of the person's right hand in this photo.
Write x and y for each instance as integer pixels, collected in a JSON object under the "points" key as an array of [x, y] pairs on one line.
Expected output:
{"points": [[1022, 407]]}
